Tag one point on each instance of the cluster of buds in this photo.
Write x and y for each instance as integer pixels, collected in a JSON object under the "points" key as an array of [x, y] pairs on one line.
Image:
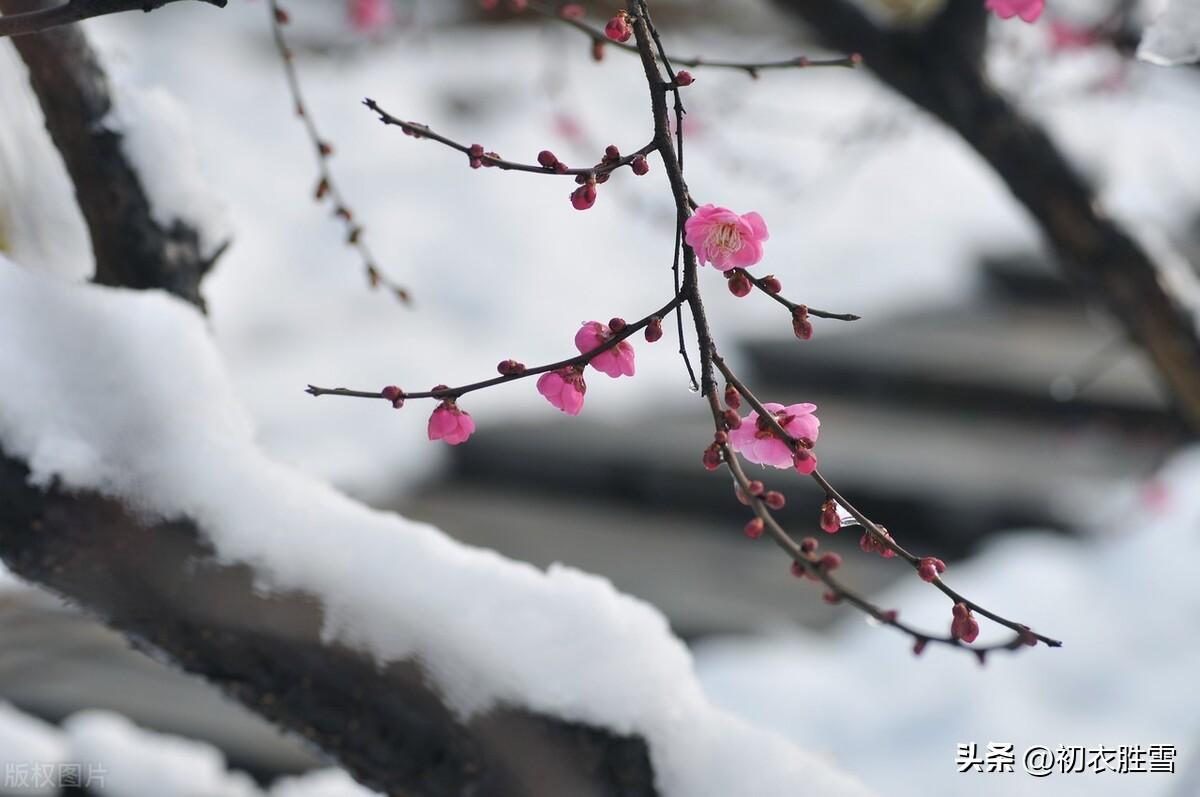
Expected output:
{"points": [[826, 563], [963, 626], [930, 568], [869, 544], [800, 323], [394, 395], [549, 161], [477, 157]]}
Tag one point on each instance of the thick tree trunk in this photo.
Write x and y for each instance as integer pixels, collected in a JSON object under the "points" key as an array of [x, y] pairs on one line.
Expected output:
{"points": [[130, 248]]}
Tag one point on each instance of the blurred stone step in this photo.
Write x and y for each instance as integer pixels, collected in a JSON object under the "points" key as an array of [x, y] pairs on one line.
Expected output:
{"points": [[55, 660], [1025, 360]]}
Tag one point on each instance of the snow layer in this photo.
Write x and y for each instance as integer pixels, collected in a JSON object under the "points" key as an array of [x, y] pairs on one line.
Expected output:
{"points": [[1174, 38], [157, 139], [123, 392], [119, 759], [25, 741], [1124, 603]]}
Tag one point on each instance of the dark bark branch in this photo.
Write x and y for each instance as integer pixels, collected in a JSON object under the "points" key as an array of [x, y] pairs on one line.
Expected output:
{"points": [[23, 23], [939, 68], [129, 246], [161, 585]]}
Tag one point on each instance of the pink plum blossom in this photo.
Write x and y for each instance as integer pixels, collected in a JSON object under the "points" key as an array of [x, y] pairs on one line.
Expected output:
{"points": [[758, 443], [564, 389], [724, 238], [368, 16], [617, 361], [451, 424], [1028, 10]]}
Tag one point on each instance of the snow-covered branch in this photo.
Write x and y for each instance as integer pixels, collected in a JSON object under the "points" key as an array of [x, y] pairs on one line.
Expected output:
{"points": [[422, 665], [18, 21], [147, 228]]}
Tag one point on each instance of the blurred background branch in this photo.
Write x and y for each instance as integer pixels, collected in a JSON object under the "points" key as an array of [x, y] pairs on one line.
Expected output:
{"points": [[940, 68]]}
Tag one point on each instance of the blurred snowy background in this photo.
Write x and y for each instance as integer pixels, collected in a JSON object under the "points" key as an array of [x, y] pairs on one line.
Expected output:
{"points": [[979, 410]]}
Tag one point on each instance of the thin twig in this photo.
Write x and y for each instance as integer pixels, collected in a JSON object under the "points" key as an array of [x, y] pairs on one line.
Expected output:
{"points": [[454, 392], [419, 130], [751, 68], [761, 284], [327, 186]]}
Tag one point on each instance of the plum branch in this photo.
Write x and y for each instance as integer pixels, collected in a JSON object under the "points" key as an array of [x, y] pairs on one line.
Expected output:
{"points": [[727, 240]]}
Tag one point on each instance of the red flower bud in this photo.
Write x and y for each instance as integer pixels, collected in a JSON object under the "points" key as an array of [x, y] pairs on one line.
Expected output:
{"points": [[684, 78], [393, 394], [929, 568], [712, 458], [772, 284], [756, 488], [738, 285], [547, 159], [802, 326], [611, 153], [511, 368], [598, 50], [808, 544], [639, 165], [830, 522], [830, 562], [583, 197], [654, 330], [733, 400], [618, 29], [617, 324], [732, 419], [775, 499], [754, 528]]}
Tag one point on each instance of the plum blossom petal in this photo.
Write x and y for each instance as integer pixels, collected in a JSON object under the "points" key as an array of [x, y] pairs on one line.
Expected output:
{"points": [[725, 239], [564, 389], [368, 16], [450, 424], [617, 361], [761, 446], [1028, 10]]}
